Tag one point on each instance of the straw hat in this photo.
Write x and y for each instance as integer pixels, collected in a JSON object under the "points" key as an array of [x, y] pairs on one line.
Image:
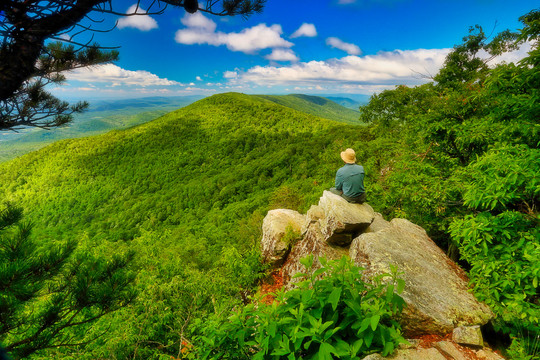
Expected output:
{"points": [[348, 156]]}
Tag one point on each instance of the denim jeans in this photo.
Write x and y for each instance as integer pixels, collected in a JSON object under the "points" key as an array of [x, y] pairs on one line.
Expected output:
{"points": [[357, 200]]}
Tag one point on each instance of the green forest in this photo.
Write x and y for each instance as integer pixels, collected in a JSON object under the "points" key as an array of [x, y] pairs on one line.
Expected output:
{"points": [[141, 243]]}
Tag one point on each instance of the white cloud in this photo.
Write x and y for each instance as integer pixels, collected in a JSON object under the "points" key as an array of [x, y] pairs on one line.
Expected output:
{"points": [[199, 21], [201, 30], [230, 74], [117, 76], [282, 55], [141, 22], [257, 38], [198, 78], [305, 30], [350, 49], [367, 73]]}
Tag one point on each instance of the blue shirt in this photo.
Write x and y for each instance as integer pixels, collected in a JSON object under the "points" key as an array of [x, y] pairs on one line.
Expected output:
{"points": [[350, 180]]}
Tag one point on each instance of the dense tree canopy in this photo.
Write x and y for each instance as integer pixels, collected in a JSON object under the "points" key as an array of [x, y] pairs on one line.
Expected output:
{"points": [[29, 60]]}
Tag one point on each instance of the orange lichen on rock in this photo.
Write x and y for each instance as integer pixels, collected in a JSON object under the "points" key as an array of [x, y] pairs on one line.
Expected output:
{"points": [[269, 288], [427, 341]]}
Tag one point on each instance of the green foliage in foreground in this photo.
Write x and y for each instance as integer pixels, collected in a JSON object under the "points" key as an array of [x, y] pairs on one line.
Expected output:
{"points": [[331, 314], [466, 167], [45, 291]]}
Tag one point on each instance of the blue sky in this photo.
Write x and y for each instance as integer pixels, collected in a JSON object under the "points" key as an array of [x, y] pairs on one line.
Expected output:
{"points": [[293, 46]]}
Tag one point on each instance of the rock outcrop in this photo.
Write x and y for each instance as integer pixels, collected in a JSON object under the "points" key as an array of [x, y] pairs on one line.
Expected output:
{"points": [[436, 292], [436, 288]]}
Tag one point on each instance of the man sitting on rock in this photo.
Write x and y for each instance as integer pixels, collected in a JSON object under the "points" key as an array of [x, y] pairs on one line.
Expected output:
{"points": [[350, 179]]}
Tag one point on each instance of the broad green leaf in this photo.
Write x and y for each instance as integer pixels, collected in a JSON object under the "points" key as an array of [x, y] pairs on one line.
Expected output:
{"points": [[334, 298], [326, 325], [272, 329], [356, 346], [388, 348], [368, 338], [400, 286], [318, 272], [375, 321], [307, 261], [342, 348], [364, 325], [389, 292]]}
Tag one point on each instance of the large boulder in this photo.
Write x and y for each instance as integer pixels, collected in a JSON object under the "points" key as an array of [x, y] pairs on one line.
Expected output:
{"points": [[343, 221], [274, 245], [436, 290]]}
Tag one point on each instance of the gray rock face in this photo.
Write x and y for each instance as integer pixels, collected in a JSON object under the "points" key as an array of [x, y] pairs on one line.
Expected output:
{"points": [[468, 335], [313, 215], [274, 228], [342, 220], [487, 354], [442, 350], [436, 288], [417, 354], [378, 224]]}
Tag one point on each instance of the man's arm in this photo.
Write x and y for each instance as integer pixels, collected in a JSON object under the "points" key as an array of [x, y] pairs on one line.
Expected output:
{"points": [[339, 181]]}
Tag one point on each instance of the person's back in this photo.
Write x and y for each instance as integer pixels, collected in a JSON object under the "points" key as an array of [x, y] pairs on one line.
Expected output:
{"points": [[350, 179]]}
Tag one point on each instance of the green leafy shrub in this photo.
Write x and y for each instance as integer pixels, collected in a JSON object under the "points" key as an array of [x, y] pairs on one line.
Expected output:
{"points": [[336, 316], [500, 240]]}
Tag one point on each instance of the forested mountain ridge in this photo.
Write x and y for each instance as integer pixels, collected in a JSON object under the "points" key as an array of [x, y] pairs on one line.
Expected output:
{"points": [[318, 106], [219, 128], [107, 115]]}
